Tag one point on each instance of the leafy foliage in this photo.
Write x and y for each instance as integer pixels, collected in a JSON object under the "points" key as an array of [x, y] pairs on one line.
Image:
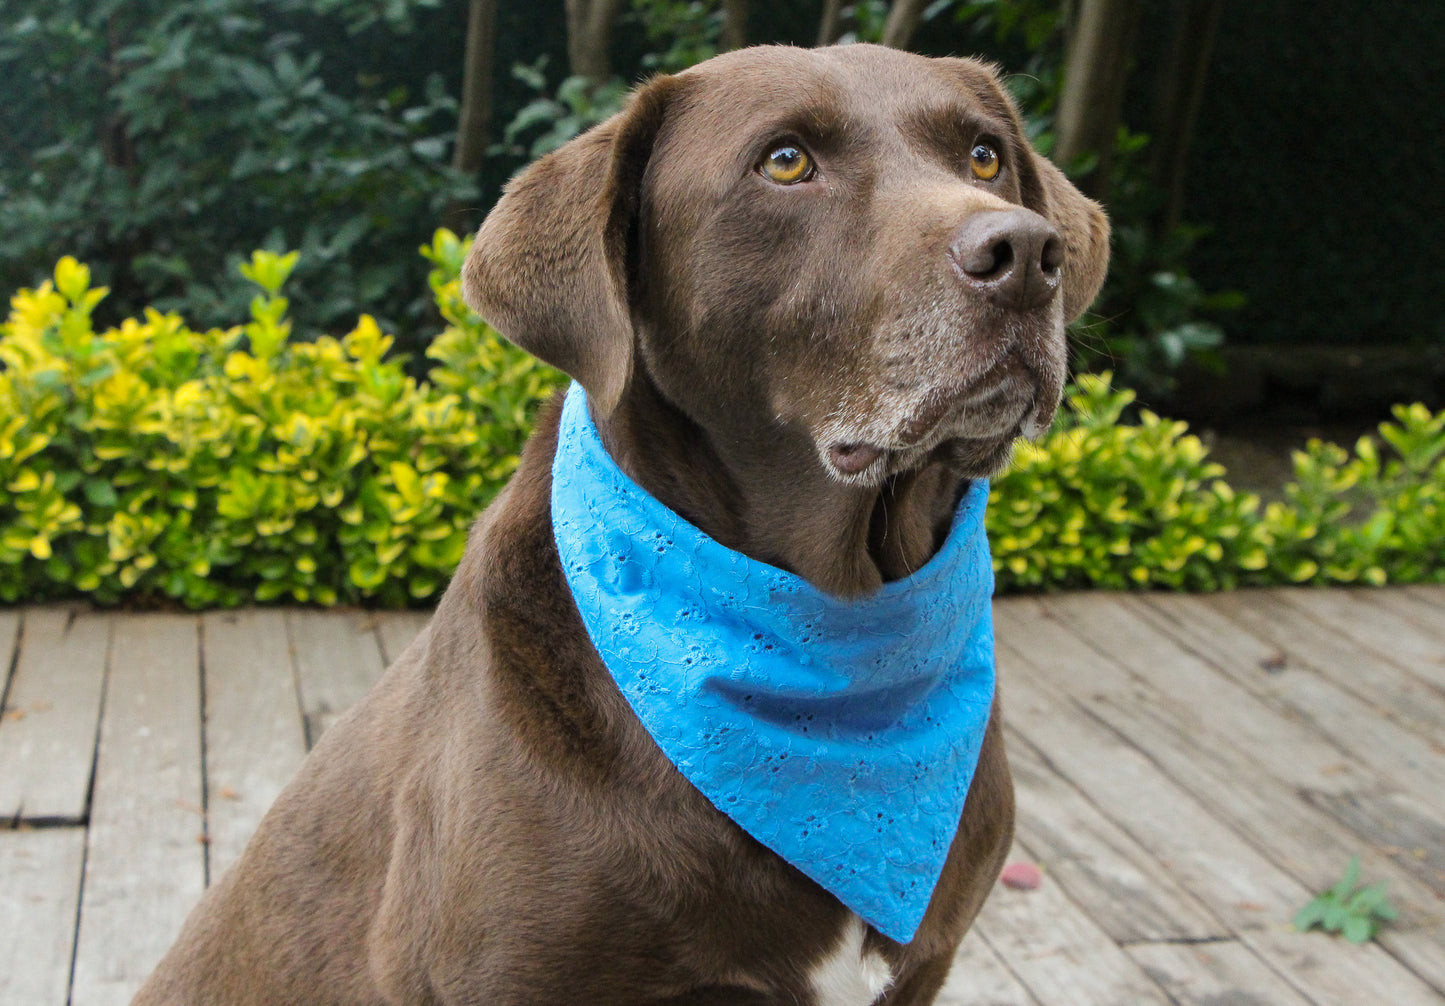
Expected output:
{"points": [[214, 467], [172, 132], [1352, 911], [499, 384], [1367, 517], [1152, 315], [150, 137], [865, 21], [678, 34], [1100, 503], [552, 119]]}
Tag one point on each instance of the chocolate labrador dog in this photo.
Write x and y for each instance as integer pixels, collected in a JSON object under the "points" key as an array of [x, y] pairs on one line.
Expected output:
{"points": [[810, 295]]}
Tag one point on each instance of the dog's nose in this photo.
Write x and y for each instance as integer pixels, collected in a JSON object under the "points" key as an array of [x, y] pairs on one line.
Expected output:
{"points": [[1012, 257]]}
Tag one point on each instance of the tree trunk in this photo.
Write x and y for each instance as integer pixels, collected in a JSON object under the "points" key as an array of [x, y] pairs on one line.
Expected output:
{"points": [[115, 139], [1096, 68], [903, 18], [828, 23], [476, 111], [1179, 92], [589, 37], [735, 25]]}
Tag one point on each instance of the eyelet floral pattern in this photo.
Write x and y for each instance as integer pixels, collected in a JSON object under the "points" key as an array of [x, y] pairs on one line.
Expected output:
{"points": [[841, 734]]}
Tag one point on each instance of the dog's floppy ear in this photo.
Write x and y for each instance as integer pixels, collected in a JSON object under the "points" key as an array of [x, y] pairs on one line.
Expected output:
{"points": [[548, 268]]}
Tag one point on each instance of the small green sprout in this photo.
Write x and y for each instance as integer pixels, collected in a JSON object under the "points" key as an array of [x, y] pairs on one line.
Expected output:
{"points": [[1355, 913]]}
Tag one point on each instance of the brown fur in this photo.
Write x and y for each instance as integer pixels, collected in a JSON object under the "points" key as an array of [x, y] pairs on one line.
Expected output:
{"points": [[492, 824]]}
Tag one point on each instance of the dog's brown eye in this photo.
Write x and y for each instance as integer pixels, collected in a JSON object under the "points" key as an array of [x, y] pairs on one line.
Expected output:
{"points": [[787, 165], [984, 161]]}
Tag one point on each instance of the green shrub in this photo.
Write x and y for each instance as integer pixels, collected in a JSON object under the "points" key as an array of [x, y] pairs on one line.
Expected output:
{"points": [[1101, 503], [1365, 516], [152, 461], [152, 138], [1104, 504], [217, 467]]}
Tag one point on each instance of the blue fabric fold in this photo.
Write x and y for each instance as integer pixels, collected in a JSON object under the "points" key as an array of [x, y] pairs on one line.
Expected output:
{"points": [[841, 734]]}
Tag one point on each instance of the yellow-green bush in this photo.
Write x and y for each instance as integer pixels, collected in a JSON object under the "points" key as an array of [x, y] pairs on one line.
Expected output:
{"points": [[1100, 503], [218, 467], [152, 461], [1376, 515]]}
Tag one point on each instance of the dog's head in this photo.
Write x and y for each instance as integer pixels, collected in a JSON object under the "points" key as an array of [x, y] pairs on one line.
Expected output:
{"points": [[853, 245]]}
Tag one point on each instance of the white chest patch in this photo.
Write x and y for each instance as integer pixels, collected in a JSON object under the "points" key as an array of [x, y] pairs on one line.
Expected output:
{"points": [[849, 976]]}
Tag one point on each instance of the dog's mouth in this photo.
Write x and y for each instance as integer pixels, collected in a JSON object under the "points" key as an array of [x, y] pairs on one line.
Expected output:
{"points": [[970, 428], [871, 465]]}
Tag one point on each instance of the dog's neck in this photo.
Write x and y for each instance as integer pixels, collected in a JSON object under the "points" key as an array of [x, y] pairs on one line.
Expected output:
{"points": [[767, 496]]}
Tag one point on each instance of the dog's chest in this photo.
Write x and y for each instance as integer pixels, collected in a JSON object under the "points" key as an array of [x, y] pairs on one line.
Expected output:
{"points": [[850, 975]]}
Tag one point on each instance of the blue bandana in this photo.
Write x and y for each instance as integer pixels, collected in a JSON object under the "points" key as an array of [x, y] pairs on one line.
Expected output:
{"points": [[843, 735]]}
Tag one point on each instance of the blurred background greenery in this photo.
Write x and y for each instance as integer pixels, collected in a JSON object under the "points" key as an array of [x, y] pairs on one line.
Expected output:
{"points": [[1273, 170]]}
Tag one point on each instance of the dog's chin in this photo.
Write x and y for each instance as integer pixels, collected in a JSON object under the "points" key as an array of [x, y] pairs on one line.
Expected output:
{"points": [[963, 447], [970, 457], [976, 459]]}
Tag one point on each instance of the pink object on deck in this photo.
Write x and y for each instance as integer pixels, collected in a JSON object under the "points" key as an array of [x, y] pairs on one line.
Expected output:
{"points": [[1021, 876]]}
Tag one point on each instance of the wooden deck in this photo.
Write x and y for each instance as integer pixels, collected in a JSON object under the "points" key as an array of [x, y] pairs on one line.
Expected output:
{"points": [[1189, 769]]}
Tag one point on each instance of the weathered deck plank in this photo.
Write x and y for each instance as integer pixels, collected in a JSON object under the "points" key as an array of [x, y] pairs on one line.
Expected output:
{"points": [[1363, 733], [1400, 837], [48, 730], [1430, 595], [1425, 629], [1423, 608], [1175, 699], [145, 866], [1397, 827], [1128, 892], [1414, 642], [255, 733], [1224, 973], [1237, 882], [1249, 766], [1184, 789], [338, 659], [9, 636], [1333, 643], [1058, 952], [39, 892], [979, 978]]}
